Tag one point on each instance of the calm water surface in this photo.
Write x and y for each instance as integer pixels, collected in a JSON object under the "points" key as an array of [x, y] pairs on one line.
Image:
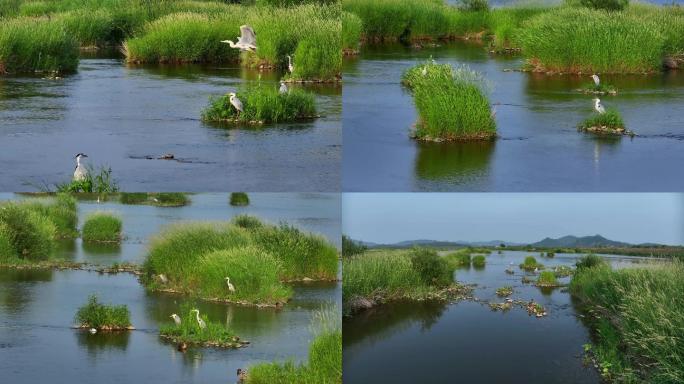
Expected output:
{"points": [[37, 307], [440, 343], [119, 115], [539, 148]]}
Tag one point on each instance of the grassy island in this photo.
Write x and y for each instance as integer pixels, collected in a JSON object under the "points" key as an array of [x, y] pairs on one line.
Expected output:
{"points": [[103, 317], [102, 227]]}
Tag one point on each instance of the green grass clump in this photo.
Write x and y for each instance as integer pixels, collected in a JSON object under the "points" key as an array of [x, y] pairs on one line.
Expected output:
{"points": [[102, 227], [247, 221], [31, 234], [451, 103], [36, 45], [262, 104], [169, 199], [351, 247], [547, 279], [433, 269], [504, 291], [253, 272], [99, 182], [7, 250], [590, 41], [609, 5], [324, 365], [637, 315], [460, 258], [530, 264], [589, 261], [479, 261], [104, 317], [317, 56], [189, 331], [505, 21], [239, 199], [351, 31], [610, 121], [131, 198], [389, 273], [62, 212]]}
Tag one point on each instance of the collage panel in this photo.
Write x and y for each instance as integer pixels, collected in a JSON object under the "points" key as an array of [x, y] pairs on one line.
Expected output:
{"points": [[513, 288], [213, 288]]}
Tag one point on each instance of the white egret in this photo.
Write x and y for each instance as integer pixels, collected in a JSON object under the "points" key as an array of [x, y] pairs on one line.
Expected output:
{"points": [[200, 322], [598, 106], [163, 278], [235, 102], [283, 88], [424, 71], [597, 81], [246, 40], [231, 288], [80, 173], [176, 319], [92, 331], [290, 67]]}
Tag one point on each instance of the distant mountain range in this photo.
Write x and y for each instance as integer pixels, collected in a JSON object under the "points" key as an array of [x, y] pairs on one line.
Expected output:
{"points": [[596, 241]]}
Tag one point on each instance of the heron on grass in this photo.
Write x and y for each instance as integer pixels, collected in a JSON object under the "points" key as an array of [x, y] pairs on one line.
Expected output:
{"points": [[598, 106], [235, 102], [81, 172], [283, 88], [176, 319], [200, 322], [246, 41], [290, 67], [231, 288]]}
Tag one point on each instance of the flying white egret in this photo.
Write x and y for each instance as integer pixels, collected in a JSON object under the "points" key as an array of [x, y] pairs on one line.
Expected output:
{"points": [[235, 102], [283, 88], [290, 67], [200, 322], [598, 106], [246, 40], [80, 172], [231, 288], [176, 319], [597, 81]]}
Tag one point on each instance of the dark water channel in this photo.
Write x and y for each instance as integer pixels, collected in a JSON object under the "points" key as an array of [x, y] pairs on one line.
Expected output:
{"points": [[467, 342]]}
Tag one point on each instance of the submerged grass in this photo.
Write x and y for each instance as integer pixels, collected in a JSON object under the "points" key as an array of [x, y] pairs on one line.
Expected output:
{"points": [[451, 103], [102, 227], [103, 317], [636, 314], [262, 104]]}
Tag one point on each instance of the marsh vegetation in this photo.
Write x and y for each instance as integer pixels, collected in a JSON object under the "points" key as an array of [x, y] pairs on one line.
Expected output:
{"points": [[102, 316], [102, 227]]}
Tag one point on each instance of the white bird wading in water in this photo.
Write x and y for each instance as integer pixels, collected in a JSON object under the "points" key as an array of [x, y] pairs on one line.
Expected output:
{"points": [[246, 41], [598, 106], [80, 172]]}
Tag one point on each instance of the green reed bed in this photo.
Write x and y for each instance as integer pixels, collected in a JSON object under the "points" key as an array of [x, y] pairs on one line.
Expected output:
{"points": [[351, 247], [103, 317], [239, 199], [505, 21], [547, 279], [262, 104], [104, 227], [451, 102], [637, 317], [460, 258], [479, 261], [324, 364], [189, 332], [352, 27], [62, 210], [581, 40], [36, 45]]}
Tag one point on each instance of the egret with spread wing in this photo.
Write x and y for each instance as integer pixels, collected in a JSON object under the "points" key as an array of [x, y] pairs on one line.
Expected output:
{"points": [[246, 41]]}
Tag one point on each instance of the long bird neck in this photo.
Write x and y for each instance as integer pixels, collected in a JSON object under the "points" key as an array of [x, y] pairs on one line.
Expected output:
{"points": [[78, 161], [197, 314]]}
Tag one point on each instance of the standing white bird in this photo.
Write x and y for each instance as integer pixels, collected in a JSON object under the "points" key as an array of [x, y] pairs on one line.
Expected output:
{"points": [[200, 322], [246, 41], [290, 67], [283, 88], [81, 171], [163, 278], [424, 71], [598, 106], [231, 288], [176, 319], [597, 81], [235, 102]]}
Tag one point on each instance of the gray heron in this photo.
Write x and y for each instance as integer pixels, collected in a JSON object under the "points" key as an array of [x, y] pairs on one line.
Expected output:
{"points": [[246, 41], [176, 319], [235, 102], [231, 288], [290, 67], [81, 172], [200, 322], [598, 106], [597, 81], [283, 88]]}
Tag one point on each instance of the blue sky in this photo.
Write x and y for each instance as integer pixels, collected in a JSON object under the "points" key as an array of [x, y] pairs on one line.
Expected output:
{"points": [[513, 217]]}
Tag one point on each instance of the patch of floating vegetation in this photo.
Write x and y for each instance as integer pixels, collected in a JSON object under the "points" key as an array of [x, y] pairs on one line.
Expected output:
{"points": [[531, 264], [526, 280], [601, 89], [324, 364], [636, 317], [451, 103], [124, 267], [504, 291], [262, 104], [103, 317], [194, 329], [239, 199], [531, 307], [104, 227], [375, 277], [547, 279], [163, 199], [99, 182], [562, 271], [608, 123], [245, 262]]}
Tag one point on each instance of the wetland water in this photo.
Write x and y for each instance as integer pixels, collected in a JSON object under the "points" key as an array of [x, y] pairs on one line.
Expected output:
{"points": [[120, 114], [539, 148], [435, 342], [37, 307]]}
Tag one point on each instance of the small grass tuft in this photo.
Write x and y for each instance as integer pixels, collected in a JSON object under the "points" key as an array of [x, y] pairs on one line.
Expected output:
{"points": [[609, 122], [504, 291], [547, 279], [239, 199], [103, 317], [102, 227], [479, 261], [530, 264]]}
